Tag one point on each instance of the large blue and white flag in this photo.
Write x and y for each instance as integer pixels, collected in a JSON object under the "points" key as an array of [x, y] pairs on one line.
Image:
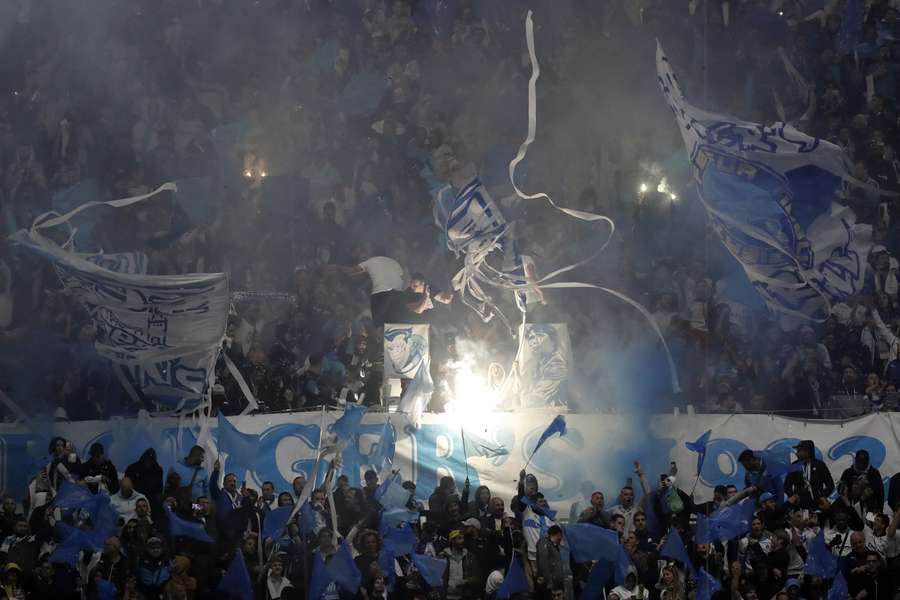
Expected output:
{"points": [[134, 263], [163, 332], [768, 191]]}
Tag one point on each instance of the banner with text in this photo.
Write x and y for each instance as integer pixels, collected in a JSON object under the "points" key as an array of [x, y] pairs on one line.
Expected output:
{"points": [[597, 452]]}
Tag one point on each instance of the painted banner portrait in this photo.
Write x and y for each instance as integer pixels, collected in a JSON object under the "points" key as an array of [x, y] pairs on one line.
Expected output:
{"points": [[543, 365], [405, 349]]}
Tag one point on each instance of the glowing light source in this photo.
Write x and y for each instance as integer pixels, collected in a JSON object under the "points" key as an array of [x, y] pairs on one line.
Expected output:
{"points": [[473, 394], [673, 196], [248, 173], [644, 187]]}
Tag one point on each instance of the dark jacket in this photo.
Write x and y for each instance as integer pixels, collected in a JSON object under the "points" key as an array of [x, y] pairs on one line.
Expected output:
{"points": [[105, 469], [894, 492], [821, 484], [549, 563], [147, 480], [872, 477]]}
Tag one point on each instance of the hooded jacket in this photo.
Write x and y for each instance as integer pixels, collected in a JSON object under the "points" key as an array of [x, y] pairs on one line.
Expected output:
{"points": [[146, 480], [861, 469]]}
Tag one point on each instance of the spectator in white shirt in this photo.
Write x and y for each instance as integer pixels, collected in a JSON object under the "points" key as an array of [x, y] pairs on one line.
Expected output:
{"points": [[125, 500]]}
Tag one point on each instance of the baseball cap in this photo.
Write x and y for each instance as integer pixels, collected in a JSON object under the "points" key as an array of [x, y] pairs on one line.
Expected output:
{"points": [[472, 522], [765, 496], [455, 534], [792, 582]]}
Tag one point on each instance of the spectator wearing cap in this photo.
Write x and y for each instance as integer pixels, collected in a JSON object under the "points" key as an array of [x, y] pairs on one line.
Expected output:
{"points": [[870, 479], [153, 571], [99, 472], [124, 502], [771, 516], [462, 578], [792, 587], [812, 482]]}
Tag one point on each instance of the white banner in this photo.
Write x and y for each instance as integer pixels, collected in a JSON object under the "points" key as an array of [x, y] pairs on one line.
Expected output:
{"points": [[543, 365], [163, 331], [596, 454], [405, 349]]}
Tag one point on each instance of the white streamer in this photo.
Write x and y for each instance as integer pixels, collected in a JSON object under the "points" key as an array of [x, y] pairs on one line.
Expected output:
{"points": [[248, 394]]}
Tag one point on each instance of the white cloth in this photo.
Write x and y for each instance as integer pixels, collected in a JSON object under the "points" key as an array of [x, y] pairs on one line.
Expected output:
{"points": [[386, 273], [842, 549], [125, 506]]}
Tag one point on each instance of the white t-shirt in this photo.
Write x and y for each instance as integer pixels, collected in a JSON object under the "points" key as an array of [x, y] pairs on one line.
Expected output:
{"points": [[386, 273]]}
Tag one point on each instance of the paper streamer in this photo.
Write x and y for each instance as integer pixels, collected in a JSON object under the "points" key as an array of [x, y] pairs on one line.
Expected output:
{"points": [[248, 394]]}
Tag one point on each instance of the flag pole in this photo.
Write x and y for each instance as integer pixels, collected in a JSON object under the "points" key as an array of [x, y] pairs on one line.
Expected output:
{"points": [[462, 432]]}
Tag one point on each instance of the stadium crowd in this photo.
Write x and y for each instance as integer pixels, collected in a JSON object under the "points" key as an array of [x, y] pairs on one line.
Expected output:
{"points": [[187, 533], [304, 135]]}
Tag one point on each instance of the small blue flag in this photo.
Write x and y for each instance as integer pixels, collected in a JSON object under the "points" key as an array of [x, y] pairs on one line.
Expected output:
{"points": [[400, 540], [726, 523], [707, 585], [588, 542], [181, 527], [514, 582], [820, 562], [106, 590], [597, 579], [395, 516], [242, 448], [622, 566], [343, 570], [839, 589], [699, 446], [674, 548], [391, 493], [235, 583], [319, 580], [346, 428], [538, 509], [275, 522], [386, 566], [431, 569], [558, 425], [382, 456]]}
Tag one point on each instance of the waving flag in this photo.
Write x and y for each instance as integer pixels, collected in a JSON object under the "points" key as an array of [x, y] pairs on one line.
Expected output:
{"points": [[820, 562], [514, 582], [391, 493], [387, 566], [242, 448], [401, 540], [768, 194], [726, 523], [839, 589], [343, 570], [699, 446], [395, 516], [275, 522], [674, 548], [707, 585], [431, 569], [346, 428], [319, 580], [589, 542], [558, 425], [545, 511], [179, 527], [235, 583], [383, 455]]}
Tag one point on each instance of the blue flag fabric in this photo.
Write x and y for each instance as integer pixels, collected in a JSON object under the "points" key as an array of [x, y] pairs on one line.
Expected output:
{"points": [[588, 543], [319, 580], [540, 510], [558, 425], [180, 527], [726, 523], [838, 589], [395, 516], [622, 566], [73, 542], [235, 583], [674, 548], [514, 582], [707, 585], [699, 446], [851, 26], [386, 566], [242, 448], [382, 456], [106, 590], [820, 561], [597, 579], [431, 569], [400, 540], [391, 493], [346, 428], [767, 191], [343, 570], [307, 519], [275, 521]]}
